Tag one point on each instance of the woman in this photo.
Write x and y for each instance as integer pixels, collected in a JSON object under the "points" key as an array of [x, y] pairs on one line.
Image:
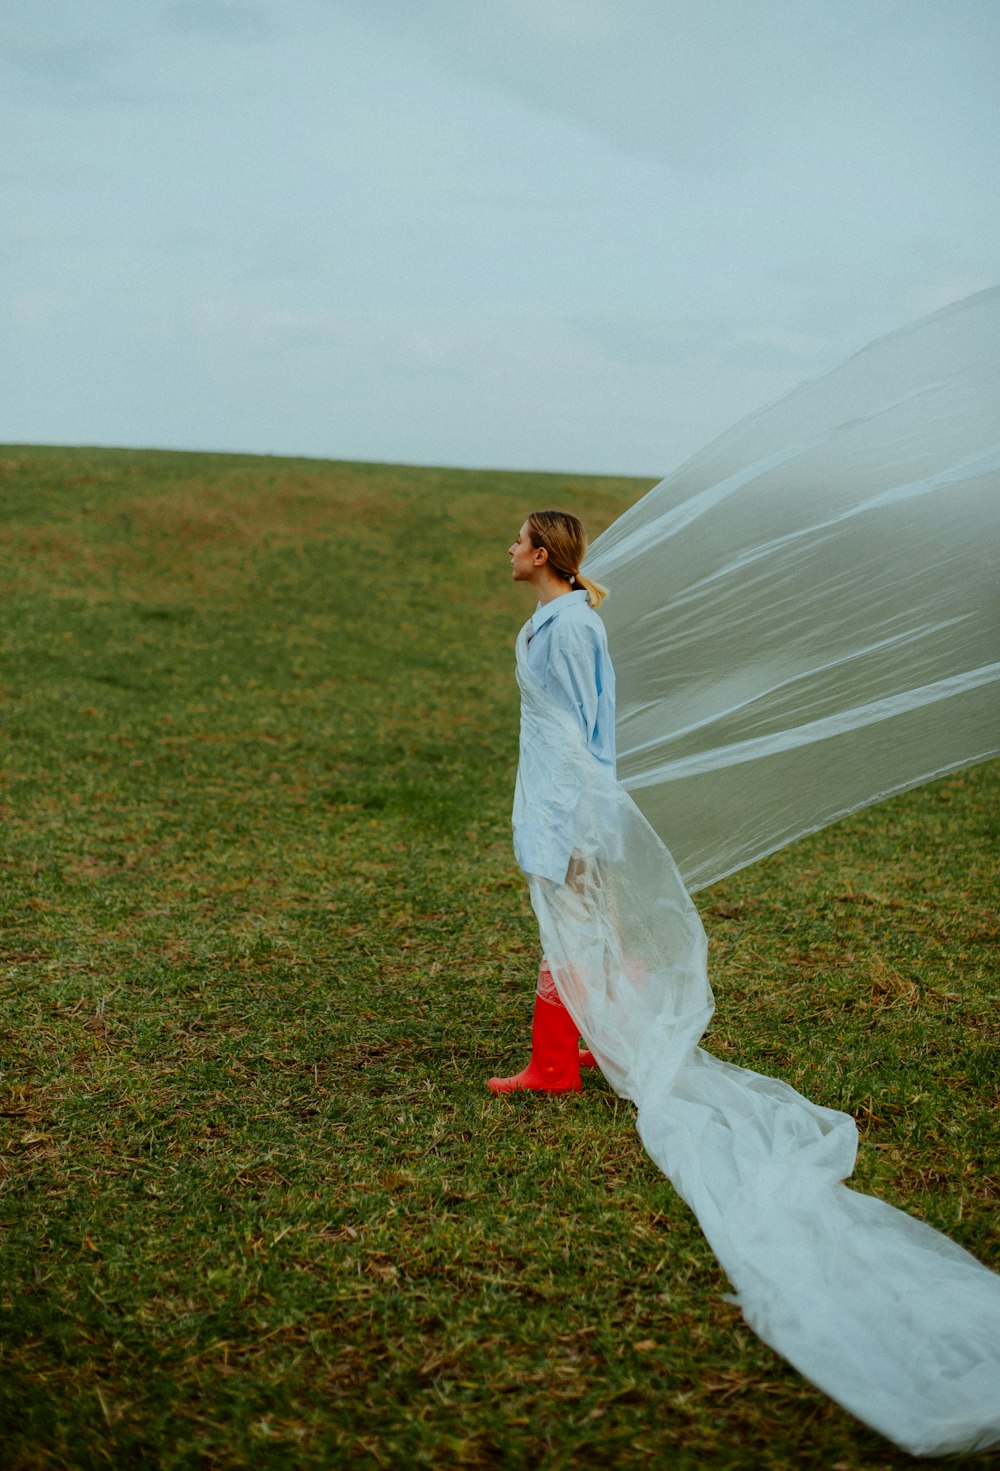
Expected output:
{"points": [[564, 650]]}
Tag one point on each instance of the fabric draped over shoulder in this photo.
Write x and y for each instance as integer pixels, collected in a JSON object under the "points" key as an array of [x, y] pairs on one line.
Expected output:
{"points": [[889, 1317]]}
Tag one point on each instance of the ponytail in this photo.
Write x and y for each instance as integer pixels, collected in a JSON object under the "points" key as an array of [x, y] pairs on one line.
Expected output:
{"points": [[595, 592]]}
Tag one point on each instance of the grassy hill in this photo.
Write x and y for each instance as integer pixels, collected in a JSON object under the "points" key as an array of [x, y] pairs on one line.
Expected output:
{"points": [[263, 941]]}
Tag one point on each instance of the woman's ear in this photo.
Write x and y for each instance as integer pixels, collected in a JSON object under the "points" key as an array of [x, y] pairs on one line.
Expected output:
{"points": [[541, 556]]}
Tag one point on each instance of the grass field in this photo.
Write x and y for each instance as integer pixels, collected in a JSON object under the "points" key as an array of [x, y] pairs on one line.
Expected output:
{"points": [[264, 939]]}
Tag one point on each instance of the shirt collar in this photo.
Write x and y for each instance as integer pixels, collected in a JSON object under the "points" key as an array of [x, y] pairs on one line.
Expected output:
{"points": [[548, 610]]}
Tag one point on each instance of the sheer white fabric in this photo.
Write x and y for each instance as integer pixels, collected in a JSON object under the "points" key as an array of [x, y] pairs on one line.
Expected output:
{"points": [[802, 621], [805, 618], [887, 1316]]}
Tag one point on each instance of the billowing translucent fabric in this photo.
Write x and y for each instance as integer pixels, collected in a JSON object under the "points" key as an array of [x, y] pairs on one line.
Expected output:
{"points": [[805, 618], [886, 1315], [802, 621]]}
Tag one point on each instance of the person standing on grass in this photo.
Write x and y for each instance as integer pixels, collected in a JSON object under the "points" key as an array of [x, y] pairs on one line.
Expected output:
{"points": [[563, 647]]}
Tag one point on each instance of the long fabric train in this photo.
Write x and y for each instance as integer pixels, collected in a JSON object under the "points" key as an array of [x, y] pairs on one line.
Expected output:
{"points": [[792, 657]]}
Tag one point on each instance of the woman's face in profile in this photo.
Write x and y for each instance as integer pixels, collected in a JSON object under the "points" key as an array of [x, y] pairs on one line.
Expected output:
{"points": [[522, 556]]}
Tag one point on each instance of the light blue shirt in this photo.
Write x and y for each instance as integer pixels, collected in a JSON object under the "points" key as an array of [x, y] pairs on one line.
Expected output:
{"points": [[568, 654]]}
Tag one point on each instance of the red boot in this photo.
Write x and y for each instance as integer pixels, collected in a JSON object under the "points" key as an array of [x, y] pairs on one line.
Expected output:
{"points": [[547, 988], [555, 1057]]}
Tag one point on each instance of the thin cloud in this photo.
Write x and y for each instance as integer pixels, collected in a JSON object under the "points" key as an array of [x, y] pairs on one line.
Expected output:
{"points": [[225, 18], [61, 74]]}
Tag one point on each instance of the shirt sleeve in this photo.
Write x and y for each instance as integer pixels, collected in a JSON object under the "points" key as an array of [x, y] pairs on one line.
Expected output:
{"points": [[574, 678]]}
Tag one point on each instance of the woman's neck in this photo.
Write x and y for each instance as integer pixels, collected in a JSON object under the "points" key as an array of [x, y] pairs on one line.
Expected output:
{"points": [[549, 585]]}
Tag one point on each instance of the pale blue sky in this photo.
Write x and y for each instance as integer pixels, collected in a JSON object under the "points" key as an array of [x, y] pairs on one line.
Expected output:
{"points": [[557, 234]]}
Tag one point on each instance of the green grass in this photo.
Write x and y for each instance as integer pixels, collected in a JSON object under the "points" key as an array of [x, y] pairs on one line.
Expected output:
{"points": [[264, 939]]}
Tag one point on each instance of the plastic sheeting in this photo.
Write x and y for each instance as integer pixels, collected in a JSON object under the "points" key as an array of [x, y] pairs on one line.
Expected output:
{"points": [[805, 618], [890, 1318]]}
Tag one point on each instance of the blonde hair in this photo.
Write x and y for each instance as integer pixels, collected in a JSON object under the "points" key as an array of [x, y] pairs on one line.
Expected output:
{"points": [[563, 537]]}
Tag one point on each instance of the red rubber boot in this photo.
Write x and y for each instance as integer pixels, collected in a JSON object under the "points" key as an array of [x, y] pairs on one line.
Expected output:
{"points": [[555, 1057], [547, 988]]}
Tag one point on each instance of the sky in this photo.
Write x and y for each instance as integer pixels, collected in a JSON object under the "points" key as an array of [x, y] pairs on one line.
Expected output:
{"points": [[578, 235]]}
